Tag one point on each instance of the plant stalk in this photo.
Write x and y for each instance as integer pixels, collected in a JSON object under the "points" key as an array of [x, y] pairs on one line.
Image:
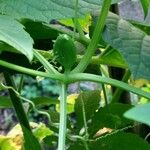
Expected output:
{"points": [[63, 117], [119, 91], [95, 38]]}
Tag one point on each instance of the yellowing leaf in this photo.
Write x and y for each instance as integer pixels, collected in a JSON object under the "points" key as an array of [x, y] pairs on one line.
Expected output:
{"points": [[70, 103], [6, 143]]}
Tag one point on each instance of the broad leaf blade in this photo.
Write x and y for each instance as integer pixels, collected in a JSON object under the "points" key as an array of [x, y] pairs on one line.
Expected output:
{"points": [[88, 101], [139, 113], [48, 9], [131, 42], [120, 141], [110, 116], [12, 33]]}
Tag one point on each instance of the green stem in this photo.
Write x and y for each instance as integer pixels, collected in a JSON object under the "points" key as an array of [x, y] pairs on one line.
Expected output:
{"points": [[105, 95], [84, 118], [17, 104], [85, 145], [30, 71], [62, 29], [20, 83], [99, 79], [85, 125], [95, 38], [118, 91], [63, 117], [45, 63]]}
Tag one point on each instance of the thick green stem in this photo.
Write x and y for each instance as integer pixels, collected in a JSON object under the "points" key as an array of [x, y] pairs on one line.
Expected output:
{"points": [[17, 104], [63, 117], [119, 91], [99, 79], [30, 71], [95, 38]]}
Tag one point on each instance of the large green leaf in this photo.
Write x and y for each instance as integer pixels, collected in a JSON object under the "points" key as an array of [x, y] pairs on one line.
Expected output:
{"points": [[139, 113], [131, 42], [110, 116], [87, 102], [48, 9], [120, 141], [12, 33]]}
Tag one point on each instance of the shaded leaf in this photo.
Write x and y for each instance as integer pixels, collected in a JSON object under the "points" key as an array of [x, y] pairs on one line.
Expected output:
{"points": [[120, 141], [110, 116], [89, 101], [131, 42]]}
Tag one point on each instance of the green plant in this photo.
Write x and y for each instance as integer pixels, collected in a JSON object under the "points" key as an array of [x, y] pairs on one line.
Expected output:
{"points": [[94, 127]]}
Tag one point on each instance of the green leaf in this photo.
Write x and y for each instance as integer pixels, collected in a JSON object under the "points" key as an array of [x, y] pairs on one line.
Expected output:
{"points": [[5, 102], [120, 141], [145, 5], [12, 33], [113, 58], [47, 10], [90, 102], [42, 131], [6, 143], [30, 141], [131, 42], [141, 25], [38, 30], [110, 116], [139, 113]]}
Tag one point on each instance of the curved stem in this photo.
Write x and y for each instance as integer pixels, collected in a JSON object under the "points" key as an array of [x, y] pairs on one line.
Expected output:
{"points": [[95, 38], [95, 78], [63, 117]]}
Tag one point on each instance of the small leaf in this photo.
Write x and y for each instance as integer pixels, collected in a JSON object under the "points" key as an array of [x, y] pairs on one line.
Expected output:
{"points": [[145, 5], [139, 113], [12, 33], [113, 58], [42, 131]]}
